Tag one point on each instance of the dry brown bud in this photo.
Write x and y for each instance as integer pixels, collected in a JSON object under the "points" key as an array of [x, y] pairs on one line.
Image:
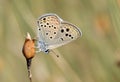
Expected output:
{"points": [[29, 47]]}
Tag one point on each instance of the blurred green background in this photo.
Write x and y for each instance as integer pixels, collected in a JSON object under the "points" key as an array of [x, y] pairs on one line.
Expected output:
{"points": [[92, 58]]}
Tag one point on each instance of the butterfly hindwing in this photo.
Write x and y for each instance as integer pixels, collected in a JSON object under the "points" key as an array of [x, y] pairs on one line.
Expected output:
{"points": [[67, 33]]}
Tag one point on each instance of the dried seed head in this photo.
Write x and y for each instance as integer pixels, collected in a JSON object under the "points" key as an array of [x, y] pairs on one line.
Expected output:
{"points": [[28, 47], [29, 52]]}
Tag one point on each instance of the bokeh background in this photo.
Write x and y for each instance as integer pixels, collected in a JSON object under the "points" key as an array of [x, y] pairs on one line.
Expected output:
{"points": [[92, 58]]}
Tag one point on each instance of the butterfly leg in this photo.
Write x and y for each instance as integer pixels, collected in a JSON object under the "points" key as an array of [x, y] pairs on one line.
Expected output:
{"points": [[54, 53]]}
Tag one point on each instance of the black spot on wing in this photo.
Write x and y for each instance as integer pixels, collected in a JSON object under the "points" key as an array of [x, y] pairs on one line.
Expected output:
{"points": [[54, 27], [62, 30], [67, 30], [41, 25], [51, 37], [44, 18], [66, 34], [54, 32], [39, 29], [47, 23], [44, 25], [69, 35], [46, 33], [61, 39]]}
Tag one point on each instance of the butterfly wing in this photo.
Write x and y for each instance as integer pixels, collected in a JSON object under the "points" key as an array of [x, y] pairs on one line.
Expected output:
{"points": [[67, 33], [54, 32], [48, 25]]}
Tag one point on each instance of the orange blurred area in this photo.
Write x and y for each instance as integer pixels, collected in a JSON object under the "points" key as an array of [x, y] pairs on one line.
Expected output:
{"points": [[102, 24]]}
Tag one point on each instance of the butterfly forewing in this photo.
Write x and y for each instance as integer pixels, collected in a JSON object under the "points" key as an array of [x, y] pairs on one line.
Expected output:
{"points": [[49, 25]]}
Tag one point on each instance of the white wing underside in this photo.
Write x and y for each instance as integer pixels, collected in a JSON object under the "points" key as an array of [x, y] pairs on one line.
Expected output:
{"points": [[58, 39]]}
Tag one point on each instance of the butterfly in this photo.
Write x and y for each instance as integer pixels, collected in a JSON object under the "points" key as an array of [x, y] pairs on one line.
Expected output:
{"points": [[53, 32]]}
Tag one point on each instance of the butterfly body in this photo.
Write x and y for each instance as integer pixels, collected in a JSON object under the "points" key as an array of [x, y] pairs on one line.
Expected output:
{"points": [[43, 47], [54, 32]]}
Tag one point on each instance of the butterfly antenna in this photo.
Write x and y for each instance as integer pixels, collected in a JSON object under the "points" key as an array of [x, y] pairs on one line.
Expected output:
{"points": [[54, 53]]}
